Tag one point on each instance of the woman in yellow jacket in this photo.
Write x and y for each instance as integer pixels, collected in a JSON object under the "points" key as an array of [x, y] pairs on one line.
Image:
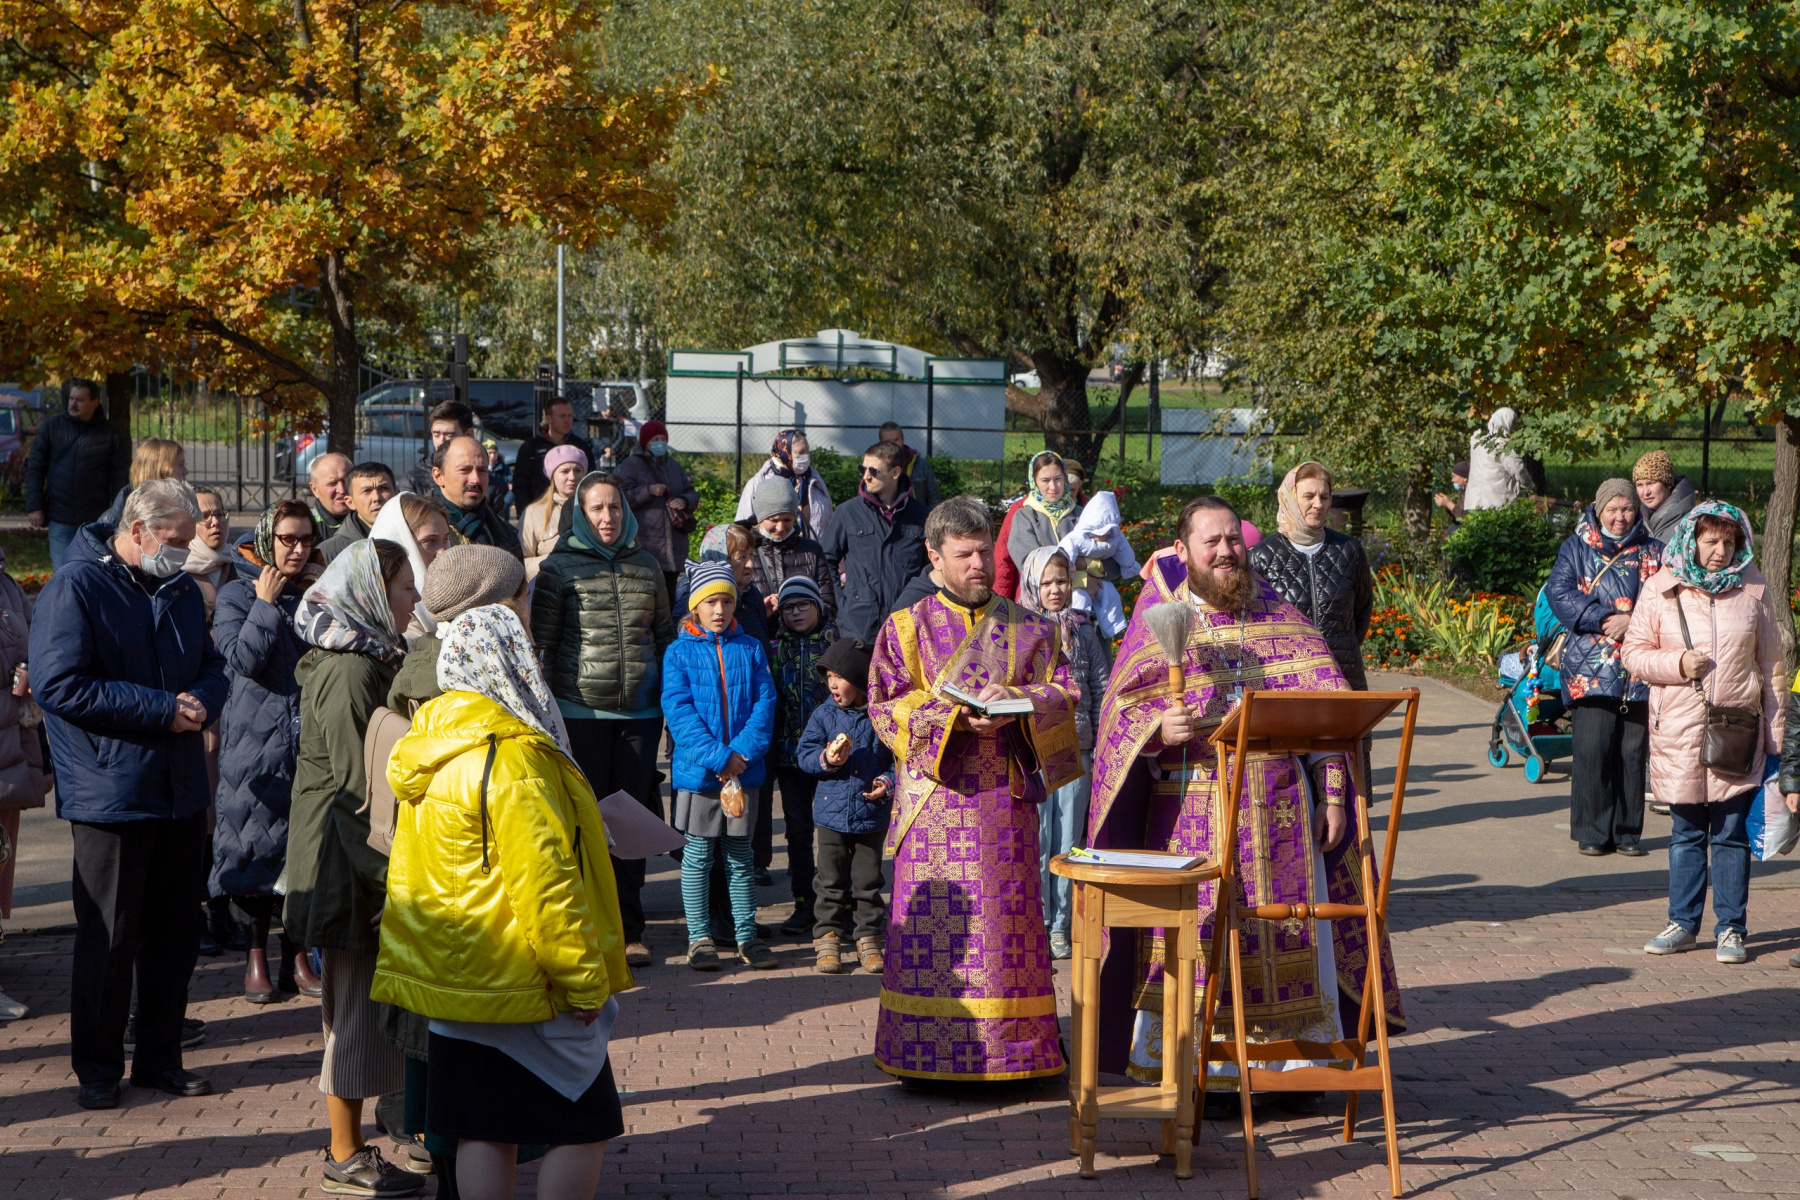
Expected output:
{"points": [[502, 922]]}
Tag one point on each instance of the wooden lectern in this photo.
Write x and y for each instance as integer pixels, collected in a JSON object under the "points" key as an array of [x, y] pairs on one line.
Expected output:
{"points": [[1291, 722]]}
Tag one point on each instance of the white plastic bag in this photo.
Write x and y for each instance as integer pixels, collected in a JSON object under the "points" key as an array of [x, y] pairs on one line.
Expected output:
{"points": [[1772, 828]]}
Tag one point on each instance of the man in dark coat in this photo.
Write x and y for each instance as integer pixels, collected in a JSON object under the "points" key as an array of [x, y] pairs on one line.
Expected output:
{"points": [[459, 474], [558, 429], [78, 461], [876, 542], [127, 675], [371, 486]]}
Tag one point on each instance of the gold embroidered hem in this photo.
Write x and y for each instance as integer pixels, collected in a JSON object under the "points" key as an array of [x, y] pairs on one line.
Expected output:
{"points": [[990, 1076], [980, 1008]]}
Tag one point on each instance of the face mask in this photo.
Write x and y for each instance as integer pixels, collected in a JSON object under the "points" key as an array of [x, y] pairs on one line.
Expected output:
{"points": [[165, 562], [659, 448], [1458, 486], [802, 463]]}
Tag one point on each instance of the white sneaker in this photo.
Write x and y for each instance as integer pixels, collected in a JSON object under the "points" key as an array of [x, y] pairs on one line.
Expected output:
{"points": [[1670, 941], [1731, 947], [10, 1009]]}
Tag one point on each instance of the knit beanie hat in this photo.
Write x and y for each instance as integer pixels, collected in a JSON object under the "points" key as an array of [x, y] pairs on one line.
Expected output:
{"points": [[714, 577], [799, 587], [649, 431], [1654, 466], [564, 454], [470, 576], [1610, 489], [847, 658], [773, 496]]}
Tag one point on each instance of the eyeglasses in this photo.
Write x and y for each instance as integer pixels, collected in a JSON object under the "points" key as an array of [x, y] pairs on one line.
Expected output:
{"points": [[292, 540], [210, 515]]}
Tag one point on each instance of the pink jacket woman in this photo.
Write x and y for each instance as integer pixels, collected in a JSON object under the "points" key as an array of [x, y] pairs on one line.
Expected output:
{"points": [[1735, 631]]}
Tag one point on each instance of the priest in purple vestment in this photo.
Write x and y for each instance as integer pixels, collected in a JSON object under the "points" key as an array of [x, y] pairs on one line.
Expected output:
{"points": [[967, 991], [1157, 784]]}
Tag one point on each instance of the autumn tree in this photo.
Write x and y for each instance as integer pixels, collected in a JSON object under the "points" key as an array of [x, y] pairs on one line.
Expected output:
{"points": [[244, 188]]}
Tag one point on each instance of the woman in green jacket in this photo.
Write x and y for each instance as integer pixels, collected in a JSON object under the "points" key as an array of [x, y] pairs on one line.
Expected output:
{"points": [[600, 617], [352, 617]]}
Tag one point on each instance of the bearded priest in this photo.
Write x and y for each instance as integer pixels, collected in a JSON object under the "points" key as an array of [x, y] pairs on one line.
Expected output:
{"points": [[967, 988], [1158, 784]]}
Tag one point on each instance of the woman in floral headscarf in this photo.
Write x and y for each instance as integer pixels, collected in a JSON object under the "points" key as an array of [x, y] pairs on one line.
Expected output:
{"points": [[790, 458], [1047, 514], [336, 881], [1704, 633]]}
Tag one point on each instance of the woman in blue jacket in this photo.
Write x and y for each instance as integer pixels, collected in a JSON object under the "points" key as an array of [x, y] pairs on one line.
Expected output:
{"points": [[1592, 590], [719, 701], [259, 733]]}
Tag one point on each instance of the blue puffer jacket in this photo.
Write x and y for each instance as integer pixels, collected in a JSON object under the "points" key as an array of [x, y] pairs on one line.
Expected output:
{"points": [[839, 804], [110, 649], [1595, 576], [719, 699], [259, 733]]}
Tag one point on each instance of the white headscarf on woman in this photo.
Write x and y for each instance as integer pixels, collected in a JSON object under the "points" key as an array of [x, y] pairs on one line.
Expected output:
{"points": [[1290, 521], [348, 610], [390, 526], [486, 652], [1497, 474]]}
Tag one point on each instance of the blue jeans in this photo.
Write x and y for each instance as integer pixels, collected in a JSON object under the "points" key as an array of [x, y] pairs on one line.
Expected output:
{"points": [[696, 890], [1693, 827], [60, 537], [1062, 824]]}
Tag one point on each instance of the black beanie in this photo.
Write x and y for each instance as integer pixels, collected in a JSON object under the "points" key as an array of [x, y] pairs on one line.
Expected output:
{"points": [[846, 657]]}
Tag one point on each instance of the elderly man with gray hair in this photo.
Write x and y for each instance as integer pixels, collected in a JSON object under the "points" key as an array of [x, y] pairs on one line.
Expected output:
{"points": [[127, 675]]}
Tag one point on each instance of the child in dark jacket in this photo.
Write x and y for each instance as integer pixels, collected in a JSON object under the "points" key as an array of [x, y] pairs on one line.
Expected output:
{"points": [[802, 637], [719, 702], [850, 808]]}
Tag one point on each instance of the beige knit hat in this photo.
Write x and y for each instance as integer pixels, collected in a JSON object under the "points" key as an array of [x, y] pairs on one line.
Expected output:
{"points": [[465, 577], [1654, 466], [1609, 489]]}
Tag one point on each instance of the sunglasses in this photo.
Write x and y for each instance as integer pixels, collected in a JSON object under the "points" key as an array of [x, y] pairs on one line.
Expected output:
{"points": [[872, 471], [292, 540]]}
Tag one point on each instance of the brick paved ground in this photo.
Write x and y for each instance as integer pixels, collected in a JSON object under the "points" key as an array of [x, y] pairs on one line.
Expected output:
{"points": [[1544, 1057]]}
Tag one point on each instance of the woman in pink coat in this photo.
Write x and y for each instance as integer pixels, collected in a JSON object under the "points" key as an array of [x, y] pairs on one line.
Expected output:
{"points": [[1728, 654]]}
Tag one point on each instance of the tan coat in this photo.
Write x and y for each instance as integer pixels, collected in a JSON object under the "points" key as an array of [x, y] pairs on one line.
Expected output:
{"points": [[1736, 632], [538, 534]]}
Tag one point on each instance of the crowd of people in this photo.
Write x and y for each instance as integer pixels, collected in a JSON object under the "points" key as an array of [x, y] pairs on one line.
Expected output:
{"points": [[381, 724]]}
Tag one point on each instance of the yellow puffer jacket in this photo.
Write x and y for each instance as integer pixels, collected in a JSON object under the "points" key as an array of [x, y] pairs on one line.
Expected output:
{"points": [[535, 933]]}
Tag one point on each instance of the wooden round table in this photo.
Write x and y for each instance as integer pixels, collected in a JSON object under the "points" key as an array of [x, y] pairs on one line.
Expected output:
{"points": [[1123, 897]]}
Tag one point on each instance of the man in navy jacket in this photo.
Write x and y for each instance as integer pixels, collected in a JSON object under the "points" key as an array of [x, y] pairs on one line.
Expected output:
{"points": [[127, 675]]}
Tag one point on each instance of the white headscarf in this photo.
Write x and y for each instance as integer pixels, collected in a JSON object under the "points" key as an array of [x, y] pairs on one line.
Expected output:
{"points": [[486, 651], [348, 610], [390, 526]]}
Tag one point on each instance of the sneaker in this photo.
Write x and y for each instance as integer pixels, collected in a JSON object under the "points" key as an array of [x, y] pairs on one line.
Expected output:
{"points": [[701, 956], [1672, 940], [638, 955], [415, 1157], [828, 956], [366, 1173], [869, 951], [1059, 945], [12, 1010], [1731, 947], [193, 1032], [1795, 960], [1660, 809], [757, 955], [801, 922]]}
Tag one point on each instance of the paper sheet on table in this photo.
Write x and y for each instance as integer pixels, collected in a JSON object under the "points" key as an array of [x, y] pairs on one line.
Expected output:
{"points": [[1130, 858], [633, 831]]}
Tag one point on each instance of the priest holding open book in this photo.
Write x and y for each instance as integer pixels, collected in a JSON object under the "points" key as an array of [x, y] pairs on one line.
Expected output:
{"points": [[1158, 780], [972, 693]]}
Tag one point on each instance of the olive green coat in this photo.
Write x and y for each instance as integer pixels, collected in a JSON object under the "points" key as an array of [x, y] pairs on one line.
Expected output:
{"points": [[601, 625]]}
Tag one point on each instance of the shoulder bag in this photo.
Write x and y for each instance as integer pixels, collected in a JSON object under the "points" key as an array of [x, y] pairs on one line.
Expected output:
{"points": [[1730, 736], [386, 727]]}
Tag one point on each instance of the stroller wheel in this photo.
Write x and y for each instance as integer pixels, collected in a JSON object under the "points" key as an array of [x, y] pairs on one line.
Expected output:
{"points": [[1534, 769], [1497, 754]]}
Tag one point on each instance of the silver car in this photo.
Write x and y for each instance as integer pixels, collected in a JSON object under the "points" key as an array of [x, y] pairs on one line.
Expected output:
{"points": [[385, 433]]}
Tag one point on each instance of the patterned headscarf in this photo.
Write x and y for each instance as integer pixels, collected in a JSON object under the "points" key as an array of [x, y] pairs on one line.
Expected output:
{"points": [[262, 542], [783, 452], [486, 651], [1289, 520], [1680, 558], [1031, 577], [348, 608], [1056, 510]]}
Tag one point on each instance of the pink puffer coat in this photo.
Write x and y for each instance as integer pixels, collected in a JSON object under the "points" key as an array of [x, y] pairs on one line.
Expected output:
{"points": [[1736, 632]]}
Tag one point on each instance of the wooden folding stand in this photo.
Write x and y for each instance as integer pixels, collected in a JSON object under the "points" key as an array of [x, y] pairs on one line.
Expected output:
{"points": [[1290, 722], [1166, 898]]}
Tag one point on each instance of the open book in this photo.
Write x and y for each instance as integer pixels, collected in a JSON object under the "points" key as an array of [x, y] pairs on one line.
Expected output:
{"points": [[1004, 707]]}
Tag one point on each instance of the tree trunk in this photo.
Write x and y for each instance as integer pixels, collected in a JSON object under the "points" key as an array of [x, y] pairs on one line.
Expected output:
{"points": [[1063, 407], [346, 358], [119, 395], [1415, 501], [1153, 415], [1778, 534], [1534, 470]]}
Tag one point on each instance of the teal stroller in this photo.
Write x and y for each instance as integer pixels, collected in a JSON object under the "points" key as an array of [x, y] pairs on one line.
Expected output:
{"points": [[1531, 722]]}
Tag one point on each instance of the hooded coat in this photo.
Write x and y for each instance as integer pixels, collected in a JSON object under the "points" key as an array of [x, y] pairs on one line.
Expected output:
{"points": [[1497, 475], [719, 700], [1595, 576], [1662, 520]]}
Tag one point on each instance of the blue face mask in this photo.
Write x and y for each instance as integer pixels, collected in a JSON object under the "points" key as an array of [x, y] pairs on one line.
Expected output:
{"points": [[659, 448]]}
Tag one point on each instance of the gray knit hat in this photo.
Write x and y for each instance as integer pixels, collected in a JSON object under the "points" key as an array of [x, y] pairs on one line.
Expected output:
{"points": [[773, 495], [465, 577], [1609, 489]]}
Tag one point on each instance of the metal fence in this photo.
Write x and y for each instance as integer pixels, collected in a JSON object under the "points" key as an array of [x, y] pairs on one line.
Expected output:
{"points": [[240, 447]]}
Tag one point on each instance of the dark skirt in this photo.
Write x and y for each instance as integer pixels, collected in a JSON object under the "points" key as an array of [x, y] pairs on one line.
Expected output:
{"points": [[479, 1094]]}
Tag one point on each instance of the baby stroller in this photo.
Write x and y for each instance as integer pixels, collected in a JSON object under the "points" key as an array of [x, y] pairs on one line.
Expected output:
{"points": [[1532, 722]]}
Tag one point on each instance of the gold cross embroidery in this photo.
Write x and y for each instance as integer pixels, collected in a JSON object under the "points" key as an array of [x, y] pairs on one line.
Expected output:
{"points": [[1292, 927], [1284, 813]]}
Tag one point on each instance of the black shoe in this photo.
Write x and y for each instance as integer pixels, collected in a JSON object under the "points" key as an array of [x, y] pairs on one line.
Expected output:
{"points": [[193, 1032], [176, 1082], [98, 1095], [802, 920], [1594, 851], [763, 878], [366, 1173], [1632, 850]]}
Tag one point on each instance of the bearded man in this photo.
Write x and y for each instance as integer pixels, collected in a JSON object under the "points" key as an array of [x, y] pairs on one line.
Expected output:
{"points": [[967, 990], [1158, 784]]}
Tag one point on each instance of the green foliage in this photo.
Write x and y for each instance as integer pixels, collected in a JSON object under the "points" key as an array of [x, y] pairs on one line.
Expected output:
{"points": [[1504, 549], [718, 500], [842, 473], [1254, 502]]}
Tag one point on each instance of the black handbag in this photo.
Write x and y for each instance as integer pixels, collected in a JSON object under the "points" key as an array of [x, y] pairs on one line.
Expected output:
{"points": [[1730, 736]]}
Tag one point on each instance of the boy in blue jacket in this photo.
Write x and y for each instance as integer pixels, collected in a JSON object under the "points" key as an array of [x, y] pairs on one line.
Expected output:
{"points": [[850, 808], [719, 701]]}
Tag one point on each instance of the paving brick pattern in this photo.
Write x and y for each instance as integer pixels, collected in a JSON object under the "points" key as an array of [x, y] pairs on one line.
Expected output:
{"points": [[1546, 1057]]}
